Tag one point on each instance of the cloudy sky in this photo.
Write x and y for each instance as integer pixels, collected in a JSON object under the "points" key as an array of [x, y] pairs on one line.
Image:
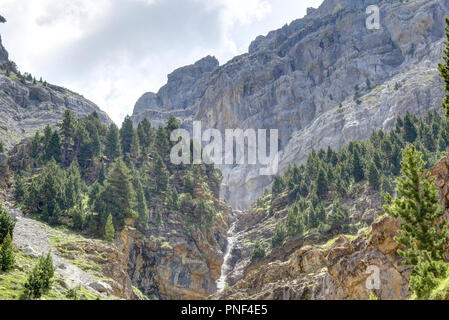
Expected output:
{"points": [[113, 51]]}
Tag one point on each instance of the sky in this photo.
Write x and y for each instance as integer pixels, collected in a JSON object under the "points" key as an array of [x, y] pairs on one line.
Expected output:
{"points": [[113, 51]]}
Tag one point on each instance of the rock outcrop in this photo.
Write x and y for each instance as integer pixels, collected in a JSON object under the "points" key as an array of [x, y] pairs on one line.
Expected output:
{"points": [[176, 262], [27, 106], [322, 80], [341, 269]]}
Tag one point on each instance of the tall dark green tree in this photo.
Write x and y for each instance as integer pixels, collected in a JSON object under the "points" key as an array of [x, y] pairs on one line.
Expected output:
{"points": [[6, 224], [118, 197], [141, 208], [373, 176], [7, 259], [112, 144], [423, 233], [127, 135], [357, 167], [322, 183], [53, 148], [160, 174], [444, 71]]}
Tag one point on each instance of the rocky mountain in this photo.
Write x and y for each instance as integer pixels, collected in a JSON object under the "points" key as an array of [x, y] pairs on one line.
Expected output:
{"points": [[304, 269], [27, 105], [321, 80]]}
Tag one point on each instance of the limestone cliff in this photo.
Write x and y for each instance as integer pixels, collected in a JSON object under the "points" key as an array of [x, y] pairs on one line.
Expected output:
{"points": [[339, 269], [27, 106], [302, 79]]}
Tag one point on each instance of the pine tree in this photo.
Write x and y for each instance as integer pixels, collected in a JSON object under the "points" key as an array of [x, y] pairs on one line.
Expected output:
{"points": [[127, 136], [278, 185], [160, 174], [279, 236], [7, 260], [112, 144], [102, 175], [6, 224], [410, 132], [422, 235], [109, 231], [142, 209], [2, 149], [67, 128], [373, 176], [53, 148], [444, 71], [357, 168], [39, 281], [118, 197], [321, 183], [162, 143]]}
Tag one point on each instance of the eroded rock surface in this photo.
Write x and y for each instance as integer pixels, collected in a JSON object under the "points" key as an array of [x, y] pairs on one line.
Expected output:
{"points": [[296, 78]]}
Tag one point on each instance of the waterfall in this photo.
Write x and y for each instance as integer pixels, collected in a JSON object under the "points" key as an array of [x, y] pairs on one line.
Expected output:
{"points": [[226, 267]]}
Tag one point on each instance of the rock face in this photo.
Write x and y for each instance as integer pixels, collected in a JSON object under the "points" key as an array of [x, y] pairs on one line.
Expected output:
{"points": [[340, 269], [26, 107], [175, 262], [295, 78], [336, 272]]}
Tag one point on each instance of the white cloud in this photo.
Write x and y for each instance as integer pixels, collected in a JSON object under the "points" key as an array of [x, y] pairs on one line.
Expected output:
{"points": [[113, 51]]}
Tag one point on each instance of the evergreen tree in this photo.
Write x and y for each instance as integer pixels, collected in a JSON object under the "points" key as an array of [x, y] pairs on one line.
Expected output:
{"points": [[321, 183], [258, 252], [278, 185], [357, 168], [279, 236], [109, 231], [118, 197], [53, 148], [373, 176], [142, 209], [162, 143], [189, 184], [127, 135], [422, 236], [410, 132], [160, 175], [39, 281], [6, 224], [444, 71], [7, 260], [67, 128], [112, 144], [2, 149], [102, 175]]}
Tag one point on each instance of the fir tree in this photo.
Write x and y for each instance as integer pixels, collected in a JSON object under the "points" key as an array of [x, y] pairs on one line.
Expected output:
{"points": [[6, 224], [7, 260], [53, 148], [142, 209], [279, 236], [112, 144], [357, 168], [373, 176], [118, 197], [67, 128], [321, 183], [109, 231], [127, 136], [422, 235], [39, 281], [278, 185], [444, 71], [410, 132], [160, 175]]}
